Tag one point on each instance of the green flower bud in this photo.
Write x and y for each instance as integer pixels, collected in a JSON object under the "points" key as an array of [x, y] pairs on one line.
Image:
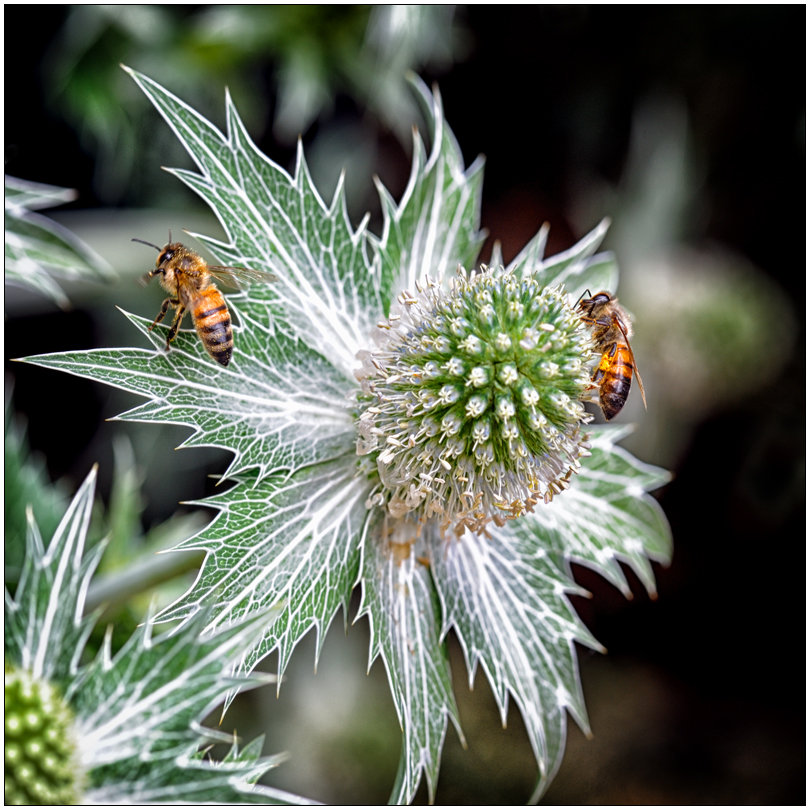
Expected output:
{"points": [[471, 402], [41, 758]]}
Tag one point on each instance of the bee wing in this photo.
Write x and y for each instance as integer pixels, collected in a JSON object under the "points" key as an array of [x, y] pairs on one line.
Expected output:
{"points": [[232, 276], [633, 361]]}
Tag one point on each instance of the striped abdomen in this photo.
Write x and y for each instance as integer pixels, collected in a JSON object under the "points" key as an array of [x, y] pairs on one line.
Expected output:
{"points": [[213, 325], [614, 373]]}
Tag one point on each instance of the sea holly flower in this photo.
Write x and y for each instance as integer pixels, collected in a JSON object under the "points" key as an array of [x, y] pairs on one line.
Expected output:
{"points": [[472, 399], [122, 729], [404, 420]]}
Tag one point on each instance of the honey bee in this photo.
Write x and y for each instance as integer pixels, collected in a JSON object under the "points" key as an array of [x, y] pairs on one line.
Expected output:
{"points": [[186, 276], [611, 329]]}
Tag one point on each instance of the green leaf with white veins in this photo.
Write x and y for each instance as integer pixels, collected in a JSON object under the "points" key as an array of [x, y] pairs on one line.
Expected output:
{"points": [[45, 631], [144, 700], [292, 543], [134, 717], [400, 600], [279, 405], [195, 779], [505, 595], [607, 516], [576, 267], [137, 717], [329, 293]]}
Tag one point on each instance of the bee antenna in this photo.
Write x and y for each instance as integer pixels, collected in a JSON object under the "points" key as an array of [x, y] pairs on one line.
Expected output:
{"points": [[148, 243], [587, 292], [170, 235]]}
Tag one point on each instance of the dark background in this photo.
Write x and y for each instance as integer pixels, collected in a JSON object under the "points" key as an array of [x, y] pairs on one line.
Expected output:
{"points": [[701, 698]]}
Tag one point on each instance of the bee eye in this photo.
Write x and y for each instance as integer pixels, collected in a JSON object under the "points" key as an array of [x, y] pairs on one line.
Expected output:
{"points": [[165, 257]]}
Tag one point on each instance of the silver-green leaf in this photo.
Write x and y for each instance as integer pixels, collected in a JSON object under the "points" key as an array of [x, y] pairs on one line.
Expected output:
{"points": [[289, 543], [607, 517], [45, 630], [278, 406], [434, 229], [329, 291], [400, 599]]}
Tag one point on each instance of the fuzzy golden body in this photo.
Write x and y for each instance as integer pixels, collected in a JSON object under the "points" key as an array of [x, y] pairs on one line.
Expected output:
{"points": [[187, 278], [611, 330]]}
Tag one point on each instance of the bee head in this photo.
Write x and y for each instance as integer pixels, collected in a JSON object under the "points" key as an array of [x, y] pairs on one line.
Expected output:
{"points": [[169, 252], [598, 300], [165, 254]]}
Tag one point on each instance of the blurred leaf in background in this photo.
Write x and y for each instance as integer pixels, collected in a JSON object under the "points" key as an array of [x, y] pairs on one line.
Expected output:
{"points": [[26, 484], [37, 248], [304, 56], [133, 577]]}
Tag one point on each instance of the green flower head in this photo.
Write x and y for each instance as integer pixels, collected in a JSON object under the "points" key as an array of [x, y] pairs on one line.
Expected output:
{"points": [[41, 753], [471, 401]]}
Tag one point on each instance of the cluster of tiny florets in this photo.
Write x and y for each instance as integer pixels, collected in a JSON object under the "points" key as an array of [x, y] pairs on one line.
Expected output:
{"points": [[471, 400], [41, 761]]}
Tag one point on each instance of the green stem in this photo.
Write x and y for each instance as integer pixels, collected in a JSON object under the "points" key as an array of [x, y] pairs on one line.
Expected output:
{"points": [[117, 587]]}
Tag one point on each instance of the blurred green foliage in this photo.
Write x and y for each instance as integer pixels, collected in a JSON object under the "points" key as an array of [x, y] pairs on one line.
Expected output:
{"points": [[26, 483], [303, 56], [36, 248], [130, 578]]}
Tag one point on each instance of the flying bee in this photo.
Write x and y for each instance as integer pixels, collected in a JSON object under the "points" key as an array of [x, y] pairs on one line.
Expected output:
{"points": [[187, 278], [611, 328]]}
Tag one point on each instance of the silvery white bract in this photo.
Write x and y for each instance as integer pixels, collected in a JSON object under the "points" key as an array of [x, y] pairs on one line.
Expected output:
{"points": [[300, 526]]}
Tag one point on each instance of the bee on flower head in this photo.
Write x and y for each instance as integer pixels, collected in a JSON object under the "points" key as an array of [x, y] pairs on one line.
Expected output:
{"points": [[187, 278], [611, 330]]}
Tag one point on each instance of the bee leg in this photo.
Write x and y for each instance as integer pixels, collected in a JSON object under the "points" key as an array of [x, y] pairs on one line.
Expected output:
{"points": [[178, 319], [589, 321], [593, 399], [169, 302]]}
